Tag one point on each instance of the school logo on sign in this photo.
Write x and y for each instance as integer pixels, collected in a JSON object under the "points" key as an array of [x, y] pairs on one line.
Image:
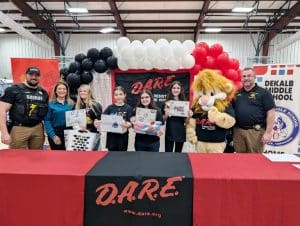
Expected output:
{"points": [[285, 128]]}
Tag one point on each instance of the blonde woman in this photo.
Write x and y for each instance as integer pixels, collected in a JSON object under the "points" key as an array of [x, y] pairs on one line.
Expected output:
{"points": [[85, 100], [55, 121]]}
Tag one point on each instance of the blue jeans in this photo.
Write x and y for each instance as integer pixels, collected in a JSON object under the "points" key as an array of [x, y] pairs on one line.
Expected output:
{"points": [[142, 146]]}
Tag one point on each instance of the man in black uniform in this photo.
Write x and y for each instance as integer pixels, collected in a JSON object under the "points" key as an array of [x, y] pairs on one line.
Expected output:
{"points": [[27, 104], [255, 115]]}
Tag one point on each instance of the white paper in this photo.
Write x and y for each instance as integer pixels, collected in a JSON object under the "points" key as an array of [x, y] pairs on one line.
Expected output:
{"points": [[179, 108], [297, 166], [76, 117], [282, 157], [112, 123]]}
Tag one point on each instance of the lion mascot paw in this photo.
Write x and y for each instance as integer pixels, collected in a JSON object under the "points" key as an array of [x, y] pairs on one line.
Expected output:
{"points": [[212, 112]]}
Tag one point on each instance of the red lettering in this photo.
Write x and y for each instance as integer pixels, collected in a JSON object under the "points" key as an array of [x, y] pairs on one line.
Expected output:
{"points": [[128, 192], [158, 83], [148, 190], [148, 85], [107, 189], [169, 80], [137, 88], [166, 190]]}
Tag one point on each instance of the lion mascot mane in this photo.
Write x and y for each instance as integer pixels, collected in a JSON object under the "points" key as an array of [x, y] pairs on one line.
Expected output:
{"points": [[213, 114]]}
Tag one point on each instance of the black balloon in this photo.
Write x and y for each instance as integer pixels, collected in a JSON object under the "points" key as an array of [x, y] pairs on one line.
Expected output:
{"points": [[100, 66], [80, 57], [86, 77], [87, 64], [112, 62], [93, 54], [64, 72], [74, 66], [73, 80], [105, 53]]}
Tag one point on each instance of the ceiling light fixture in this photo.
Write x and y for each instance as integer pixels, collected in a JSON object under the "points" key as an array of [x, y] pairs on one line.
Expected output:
{"points": [[242, 9], [215, 30], [107, 30], [77, 10], [2, 30]]}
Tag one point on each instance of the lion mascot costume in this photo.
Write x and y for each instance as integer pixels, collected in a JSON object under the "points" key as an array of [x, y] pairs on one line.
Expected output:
{"points": [[213, 114]]}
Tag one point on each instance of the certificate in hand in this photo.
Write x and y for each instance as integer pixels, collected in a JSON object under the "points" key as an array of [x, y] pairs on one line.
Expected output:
{"points": [[112, 123], [76, 117], [179, 108]]}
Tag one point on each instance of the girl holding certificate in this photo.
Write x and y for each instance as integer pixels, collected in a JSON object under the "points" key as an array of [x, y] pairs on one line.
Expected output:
{"points": [[85, 100], [119, 141], [55, 120], [175, 126], [147, 142]]}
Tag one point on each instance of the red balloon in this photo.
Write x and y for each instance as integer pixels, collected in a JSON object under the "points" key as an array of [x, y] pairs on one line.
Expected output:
{"points": [[210, 62], [222, 60], [215, 50], [234, 64], [204, 45], [199, 53], [231, 74], [194, 70]]}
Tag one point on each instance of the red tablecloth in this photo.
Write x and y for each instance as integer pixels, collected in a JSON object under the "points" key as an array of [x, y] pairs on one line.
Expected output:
{"points": [[45, 188], [244, 189]]}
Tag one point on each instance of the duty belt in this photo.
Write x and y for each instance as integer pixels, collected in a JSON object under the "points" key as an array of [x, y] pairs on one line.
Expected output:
{"points": [[255, 126], [25, 124]]}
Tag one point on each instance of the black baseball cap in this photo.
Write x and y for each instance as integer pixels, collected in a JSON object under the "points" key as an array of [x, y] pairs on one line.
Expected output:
{"points": [[33, 70]]}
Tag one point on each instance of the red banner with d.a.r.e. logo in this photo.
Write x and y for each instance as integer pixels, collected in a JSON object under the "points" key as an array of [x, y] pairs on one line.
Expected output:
{"points": [[48, 67]]}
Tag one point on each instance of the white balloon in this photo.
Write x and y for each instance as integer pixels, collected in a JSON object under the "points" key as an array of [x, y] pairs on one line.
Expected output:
{"points": [[122, 42], [160, 63], [179, 50], [152, 51], [162, 41], [187, 61], [140, 52], [172, 64], [132, 63], [122, 65], [147, 65], [127, 52], [175, 43], [136, 43], [189, 46], [166, 51], [148, 42]]}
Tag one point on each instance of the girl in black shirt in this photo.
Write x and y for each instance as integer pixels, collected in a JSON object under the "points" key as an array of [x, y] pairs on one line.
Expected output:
{"points": [[117, 141], [175, 126], [145, 142]]}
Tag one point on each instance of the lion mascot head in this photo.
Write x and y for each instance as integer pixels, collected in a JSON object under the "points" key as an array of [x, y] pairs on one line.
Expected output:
{"points": [[212, 89]]}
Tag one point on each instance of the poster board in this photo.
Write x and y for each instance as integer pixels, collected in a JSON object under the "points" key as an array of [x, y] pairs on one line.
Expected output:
{"points": [[283, 81]]}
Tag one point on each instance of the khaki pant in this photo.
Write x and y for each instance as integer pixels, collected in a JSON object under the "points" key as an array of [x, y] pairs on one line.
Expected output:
{"points": [[209, 147], [27, 137], [248, 141]]}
